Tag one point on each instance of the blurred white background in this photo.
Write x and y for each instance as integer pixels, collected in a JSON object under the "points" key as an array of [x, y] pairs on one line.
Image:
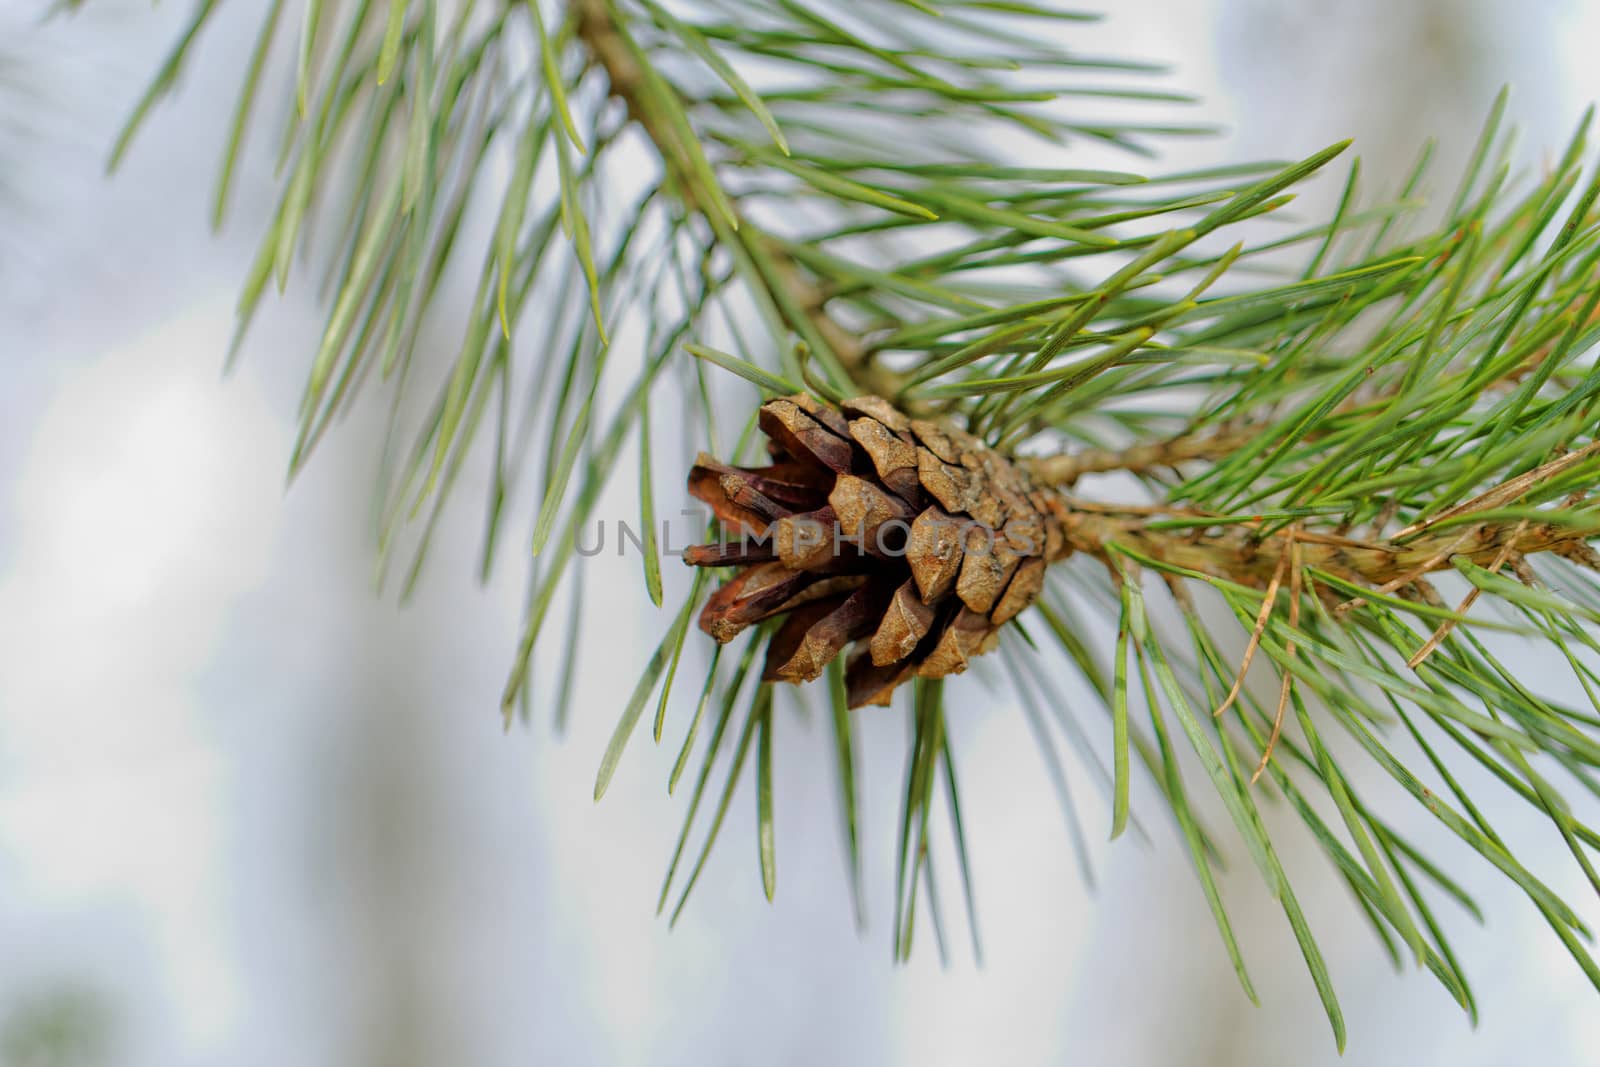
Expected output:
{"points": [[252, 814]]}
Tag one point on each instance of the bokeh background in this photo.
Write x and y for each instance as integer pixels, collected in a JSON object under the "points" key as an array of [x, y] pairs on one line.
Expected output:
{"points": [[252, 813]]}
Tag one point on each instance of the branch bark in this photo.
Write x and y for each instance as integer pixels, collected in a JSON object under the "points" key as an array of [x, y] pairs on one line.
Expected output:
{"points": [[1240, 554], [1065, 469]]}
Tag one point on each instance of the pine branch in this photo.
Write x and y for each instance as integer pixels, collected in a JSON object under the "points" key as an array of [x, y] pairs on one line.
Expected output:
{"points": [[649, 100], [1332, 425], [1237, 554]]}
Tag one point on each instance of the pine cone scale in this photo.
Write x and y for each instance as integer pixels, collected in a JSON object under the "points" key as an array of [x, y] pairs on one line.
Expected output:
{"points": [[906, 622], [813, 635], [986, 569], [804, 437], [934, 552], [893, 457]]}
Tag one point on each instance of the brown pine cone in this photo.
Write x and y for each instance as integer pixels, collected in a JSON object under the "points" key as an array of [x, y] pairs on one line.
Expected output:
{"points": [[914, 541]]}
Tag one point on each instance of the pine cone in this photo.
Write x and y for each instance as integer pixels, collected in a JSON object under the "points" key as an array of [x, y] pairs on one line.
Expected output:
{"points": [[914, 541]]}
